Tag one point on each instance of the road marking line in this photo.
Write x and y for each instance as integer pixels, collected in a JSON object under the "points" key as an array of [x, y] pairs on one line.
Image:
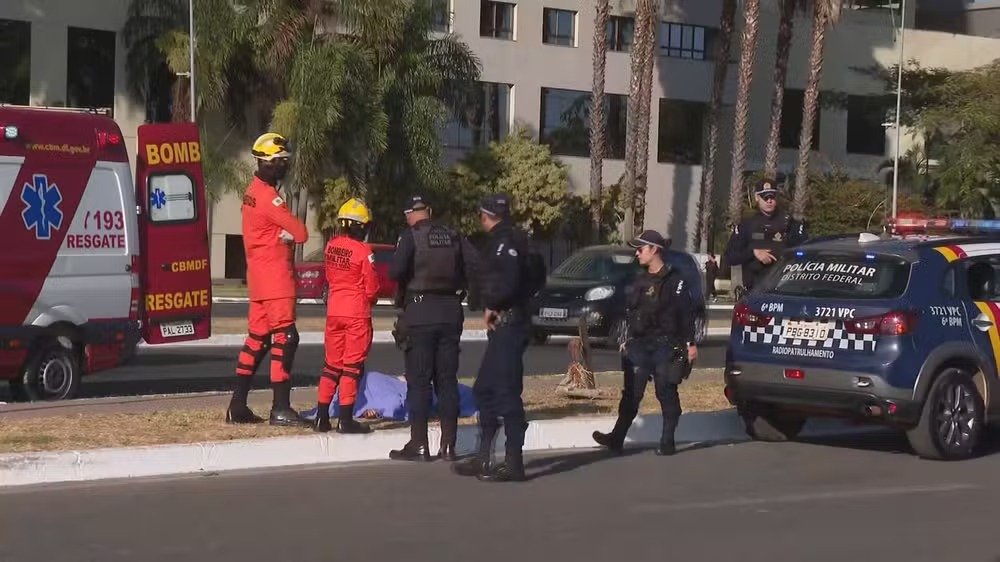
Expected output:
{"points": [[802, 498]]}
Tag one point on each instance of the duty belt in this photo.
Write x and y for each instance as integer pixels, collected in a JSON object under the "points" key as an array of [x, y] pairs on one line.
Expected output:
{"points": [[419, 296]]}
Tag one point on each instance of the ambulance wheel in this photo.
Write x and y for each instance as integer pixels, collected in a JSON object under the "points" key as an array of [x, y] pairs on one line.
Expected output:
{"points": [[952, 421], [772, 426], [52, 372]]}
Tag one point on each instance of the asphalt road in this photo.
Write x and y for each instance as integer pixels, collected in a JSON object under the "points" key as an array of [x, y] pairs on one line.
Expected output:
{"points": [[830, 500], [200, 369]]}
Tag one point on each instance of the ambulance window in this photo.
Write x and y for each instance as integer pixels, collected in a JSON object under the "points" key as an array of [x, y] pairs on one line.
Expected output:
{"points": [[171, 198]]}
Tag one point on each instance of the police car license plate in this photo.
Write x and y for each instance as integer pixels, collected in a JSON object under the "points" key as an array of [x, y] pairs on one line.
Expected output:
{"points": [[557, 313], [806, 331], [176, 329]]}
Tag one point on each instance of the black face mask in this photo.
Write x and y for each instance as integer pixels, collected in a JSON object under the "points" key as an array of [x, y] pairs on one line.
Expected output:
{"points": [[273, 172]]}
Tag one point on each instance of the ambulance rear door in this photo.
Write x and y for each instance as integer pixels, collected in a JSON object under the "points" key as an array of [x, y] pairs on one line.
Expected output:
{"points": [[173, 234]]}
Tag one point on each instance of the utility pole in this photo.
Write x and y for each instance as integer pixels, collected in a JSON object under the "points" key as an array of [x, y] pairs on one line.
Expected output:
{"points": [[191, 55], [899, 106]]}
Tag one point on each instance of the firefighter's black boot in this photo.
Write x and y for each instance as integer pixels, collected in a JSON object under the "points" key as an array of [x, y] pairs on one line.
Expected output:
{"points": [[482, 461], [281, 408], [347, 422], [322, 422], [238, 411]]}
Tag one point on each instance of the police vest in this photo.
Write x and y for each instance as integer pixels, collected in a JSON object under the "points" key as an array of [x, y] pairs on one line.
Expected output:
{"points": [[435, 259], [769, 233]]}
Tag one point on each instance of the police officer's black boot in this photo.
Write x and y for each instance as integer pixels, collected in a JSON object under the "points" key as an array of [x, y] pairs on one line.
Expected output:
{"points": [[238, 411], [322, 422], [281, 408], [412, 451], [666, 446], [614, 441], [347, 422], [512, 467], [482, 461], [448, 439]]}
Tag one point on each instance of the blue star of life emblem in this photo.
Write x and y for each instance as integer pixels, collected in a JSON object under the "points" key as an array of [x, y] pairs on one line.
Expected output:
{"points": [[41, 206], [158, 198]]}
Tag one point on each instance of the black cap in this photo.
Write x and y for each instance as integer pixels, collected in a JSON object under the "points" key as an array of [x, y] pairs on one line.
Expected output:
{"points": [[765, 186], [416, 202], [649, 238], [496, 204]]}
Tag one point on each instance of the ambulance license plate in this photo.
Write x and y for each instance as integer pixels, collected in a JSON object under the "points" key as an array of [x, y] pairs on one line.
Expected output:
{"points": [[176, 329], [557, 313], [813, 331]]}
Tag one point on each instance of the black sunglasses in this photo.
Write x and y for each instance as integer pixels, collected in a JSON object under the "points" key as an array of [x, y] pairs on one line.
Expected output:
{"points": [[768, 197]]}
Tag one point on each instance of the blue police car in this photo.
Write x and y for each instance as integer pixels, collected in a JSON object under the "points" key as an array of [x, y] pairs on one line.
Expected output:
{"points": [[898, 330]]}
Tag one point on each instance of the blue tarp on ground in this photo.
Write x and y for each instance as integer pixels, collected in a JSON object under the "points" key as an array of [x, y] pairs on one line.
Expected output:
{"points": [[386, 395]]}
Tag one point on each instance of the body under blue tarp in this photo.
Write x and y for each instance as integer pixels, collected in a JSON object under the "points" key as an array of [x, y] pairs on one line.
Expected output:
{"points": [[386, 395]]}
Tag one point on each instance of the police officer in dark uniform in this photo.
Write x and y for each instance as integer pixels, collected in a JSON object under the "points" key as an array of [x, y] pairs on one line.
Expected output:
{"points": [[432, 266], [757, 242], [508, 283], [660, 312]]}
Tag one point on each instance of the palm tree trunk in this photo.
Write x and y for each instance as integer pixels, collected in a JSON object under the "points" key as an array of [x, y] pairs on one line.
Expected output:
{"points": [[747, 56], [777, 98], [643, 12], [598, 117], [642, 149], [810, 107], [710, 150]]}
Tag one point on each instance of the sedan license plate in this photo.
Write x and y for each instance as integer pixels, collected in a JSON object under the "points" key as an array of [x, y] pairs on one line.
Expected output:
{"points": [[176, 329], [557, 313], [813, 331]]}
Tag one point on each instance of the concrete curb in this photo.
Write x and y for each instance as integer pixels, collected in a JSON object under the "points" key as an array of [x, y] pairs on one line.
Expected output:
{"points": [[316, 338], [135, 462]]}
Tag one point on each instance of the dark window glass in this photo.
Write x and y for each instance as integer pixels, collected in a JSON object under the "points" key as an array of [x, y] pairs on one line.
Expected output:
{"points": [[90, 74], [558, 27], [441, 16], [791, 121], [865, 134], [486, 119], [685, 41], [680, 132], [621, 33], [496, 19], [15, 62], [836, 275], [565, 122]]}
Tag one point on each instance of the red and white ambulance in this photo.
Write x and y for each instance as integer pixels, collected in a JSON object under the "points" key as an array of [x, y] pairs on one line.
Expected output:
{"points": [[91, 261]]}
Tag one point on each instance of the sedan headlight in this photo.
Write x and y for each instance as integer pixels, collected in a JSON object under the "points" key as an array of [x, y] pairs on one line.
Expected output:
{"points": [[599, 293]]}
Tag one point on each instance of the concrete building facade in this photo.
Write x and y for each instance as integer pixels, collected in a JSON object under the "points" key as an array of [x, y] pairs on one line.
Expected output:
{"points": [[536, 58]]}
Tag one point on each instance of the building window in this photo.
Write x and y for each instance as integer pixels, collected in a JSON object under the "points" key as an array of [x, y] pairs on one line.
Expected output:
{"points": [[485, 119], [679, 135], [565, 122], [90, 75], [440, 16], [865, 134], [684, 41], [496, 20], [15, 61], [621, 33], [791, 121], [559, 27]]}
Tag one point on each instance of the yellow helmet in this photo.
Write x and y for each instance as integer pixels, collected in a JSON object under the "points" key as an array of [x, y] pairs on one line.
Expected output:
{"points": [[354, 210], [270, 146]]}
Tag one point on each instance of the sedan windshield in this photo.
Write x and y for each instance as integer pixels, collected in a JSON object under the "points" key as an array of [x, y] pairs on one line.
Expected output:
{"points": [[595, 266]]}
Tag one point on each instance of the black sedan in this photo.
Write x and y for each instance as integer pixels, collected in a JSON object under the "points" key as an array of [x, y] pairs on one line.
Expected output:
{"points": [[591, 283]]}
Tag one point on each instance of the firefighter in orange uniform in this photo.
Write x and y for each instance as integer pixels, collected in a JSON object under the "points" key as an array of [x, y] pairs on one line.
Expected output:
{"points": [[353, 289], [269, 233]]}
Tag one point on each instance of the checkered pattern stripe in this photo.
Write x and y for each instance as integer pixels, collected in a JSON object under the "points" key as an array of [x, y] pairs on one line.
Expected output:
{"points": [[838, 338]]}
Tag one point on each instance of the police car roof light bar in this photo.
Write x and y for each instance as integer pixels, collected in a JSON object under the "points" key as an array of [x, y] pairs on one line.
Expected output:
{"points": [[975, 226]]}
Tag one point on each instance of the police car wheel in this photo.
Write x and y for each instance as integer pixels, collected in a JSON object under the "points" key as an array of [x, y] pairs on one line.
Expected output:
{"points": [[52, 373], [772, 426], [952, 421]]}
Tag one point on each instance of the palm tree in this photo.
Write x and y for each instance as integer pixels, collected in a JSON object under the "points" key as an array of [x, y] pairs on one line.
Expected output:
{"points": [[642, 51], [711, 148], [748, 54], [825, 13], [649, 36], [785, 25], [598, 129]]}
